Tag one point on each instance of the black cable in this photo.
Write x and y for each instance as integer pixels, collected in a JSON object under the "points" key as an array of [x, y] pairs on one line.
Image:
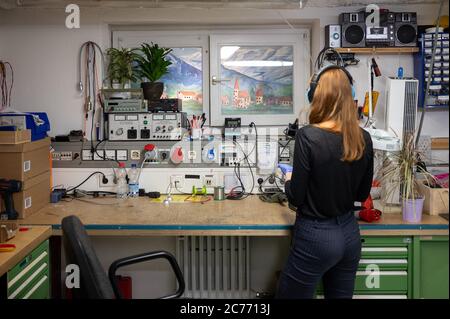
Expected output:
{"points": [[86, 179], [285, 145], [104, 157]]}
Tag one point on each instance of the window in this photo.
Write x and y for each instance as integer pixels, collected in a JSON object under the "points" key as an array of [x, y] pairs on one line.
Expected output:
{"points": [[259, 76], [186, 78]]}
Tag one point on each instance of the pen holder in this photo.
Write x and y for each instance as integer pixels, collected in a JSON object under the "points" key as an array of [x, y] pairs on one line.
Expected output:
{"points": [[196, 133]]}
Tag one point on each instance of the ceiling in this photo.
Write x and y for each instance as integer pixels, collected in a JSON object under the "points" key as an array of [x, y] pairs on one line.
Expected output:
{"points": [[263, 4]]}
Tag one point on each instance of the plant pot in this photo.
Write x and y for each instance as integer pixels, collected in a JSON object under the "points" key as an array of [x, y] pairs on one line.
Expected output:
{"points": [[412, 210], [152, 90]]}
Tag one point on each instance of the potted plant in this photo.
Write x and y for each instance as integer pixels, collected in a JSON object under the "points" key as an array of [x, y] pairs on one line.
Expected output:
{"points": [[152, 64], [402, 172], [120, 68]]}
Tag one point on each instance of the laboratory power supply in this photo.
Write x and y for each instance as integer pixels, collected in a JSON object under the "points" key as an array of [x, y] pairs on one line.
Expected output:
{"points": [[164, 126]]}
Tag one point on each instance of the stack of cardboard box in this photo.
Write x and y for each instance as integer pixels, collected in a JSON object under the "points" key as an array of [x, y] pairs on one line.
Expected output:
{"points": [[30, 163]]}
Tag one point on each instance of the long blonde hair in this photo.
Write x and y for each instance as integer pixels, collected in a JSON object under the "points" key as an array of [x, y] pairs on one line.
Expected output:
{"points": [[333, 101]]}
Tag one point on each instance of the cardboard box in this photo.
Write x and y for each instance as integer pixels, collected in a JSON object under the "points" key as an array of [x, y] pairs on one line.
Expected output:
{"points": [[35, 194], [436, 199], [24, 161], [15, 137]]}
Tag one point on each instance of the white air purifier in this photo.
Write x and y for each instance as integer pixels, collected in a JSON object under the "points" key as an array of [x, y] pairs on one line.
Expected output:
{"points": [[399, 117]]}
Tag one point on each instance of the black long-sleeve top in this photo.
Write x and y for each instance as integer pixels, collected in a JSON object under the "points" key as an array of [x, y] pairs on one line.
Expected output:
{"points": [[322, 185]]}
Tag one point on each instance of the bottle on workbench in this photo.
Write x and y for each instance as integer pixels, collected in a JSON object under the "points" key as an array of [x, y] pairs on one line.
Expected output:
{"points": [[122, 185], [133, 181]]}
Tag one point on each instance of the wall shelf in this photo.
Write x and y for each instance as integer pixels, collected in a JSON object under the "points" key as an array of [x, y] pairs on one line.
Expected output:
{"points": [[389, 50]]}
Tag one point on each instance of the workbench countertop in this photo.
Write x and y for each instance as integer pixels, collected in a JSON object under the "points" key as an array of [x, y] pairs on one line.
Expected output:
{"points": [[26, 242], [248, 217]]}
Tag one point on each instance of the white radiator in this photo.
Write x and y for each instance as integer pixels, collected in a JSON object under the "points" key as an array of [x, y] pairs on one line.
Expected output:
{"points": [[215, 267]]}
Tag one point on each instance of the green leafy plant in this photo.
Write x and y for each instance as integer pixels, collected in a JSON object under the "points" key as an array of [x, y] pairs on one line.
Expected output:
{"points": [[120, 67], [152, 62], [404, 170]]}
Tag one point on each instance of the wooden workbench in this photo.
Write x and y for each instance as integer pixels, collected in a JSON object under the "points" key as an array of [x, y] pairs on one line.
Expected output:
{"points": [[25, 242], [249, 217]]}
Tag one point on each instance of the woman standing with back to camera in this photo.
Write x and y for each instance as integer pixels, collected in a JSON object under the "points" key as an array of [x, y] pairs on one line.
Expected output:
{"points": [[333, 168]]}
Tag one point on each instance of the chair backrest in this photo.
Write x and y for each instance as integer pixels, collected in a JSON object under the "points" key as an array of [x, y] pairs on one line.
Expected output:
{"points": [[94, 283]]}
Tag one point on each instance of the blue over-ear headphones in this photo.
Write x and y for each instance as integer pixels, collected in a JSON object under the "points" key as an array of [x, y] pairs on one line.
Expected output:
{"points": [[316, 77]]}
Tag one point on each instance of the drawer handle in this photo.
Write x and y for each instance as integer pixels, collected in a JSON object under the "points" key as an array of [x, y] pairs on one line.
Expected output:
{"points": [[32, 290], [384, 249], [383, 273], [383, 261]]}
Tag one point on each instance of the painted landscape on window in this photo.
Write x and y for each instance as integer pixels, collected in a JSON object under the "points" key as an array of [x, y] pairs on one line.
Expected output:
{"points": [[185, 79], [257, 80]]}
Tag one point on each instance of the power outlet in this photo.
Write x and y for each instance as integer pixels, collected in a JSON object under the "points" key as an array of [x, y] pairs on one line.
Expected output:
{"points": [[209, 181], [135, 155], [110, 183], [177, 180]]}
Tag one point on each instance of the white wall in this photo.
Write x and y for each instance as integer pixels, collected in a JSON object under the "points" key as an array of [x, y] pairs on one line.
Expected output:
{"points": [[45, 54]]}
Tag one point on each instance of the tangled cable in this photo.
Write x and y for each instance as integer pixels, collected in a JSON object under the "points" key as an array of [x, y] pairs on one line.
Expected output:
{"points": [[5, 91], [92, 86]]}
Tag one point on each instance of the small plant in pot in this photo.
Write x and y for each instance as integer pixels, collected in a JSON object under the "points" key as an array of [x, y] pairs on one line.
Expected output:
{"points": [[152, 64], [402, 172], [120, 67]]}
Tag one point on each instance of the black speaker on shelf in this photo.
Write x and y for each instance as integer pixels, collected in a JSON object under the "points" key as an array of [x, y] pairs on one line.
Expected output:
{"points": [[353, 29], [405, 29]]}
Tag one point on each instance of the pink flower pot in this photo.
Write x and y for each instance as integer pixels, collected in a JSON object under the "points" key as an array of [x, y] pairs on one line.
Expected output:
{"points": [[412, 210]]}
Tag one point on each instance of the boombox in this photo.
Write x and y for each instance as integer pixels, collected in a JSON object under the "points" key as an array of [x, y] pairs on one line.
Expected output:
{"points": [[397, 29]]}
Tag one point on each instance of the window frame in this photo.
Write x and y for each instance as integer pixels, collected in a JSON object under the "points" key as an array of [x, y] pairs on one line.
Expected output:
{"points": [[298, 37], [276, 38], [133, 39]]}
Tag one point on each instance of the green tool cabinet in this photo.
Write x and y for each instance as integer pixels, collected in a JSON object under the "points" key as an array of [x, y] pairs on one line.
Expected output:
{"points": [[384, 269], [30, 278], [430, 267], [402, 267]]}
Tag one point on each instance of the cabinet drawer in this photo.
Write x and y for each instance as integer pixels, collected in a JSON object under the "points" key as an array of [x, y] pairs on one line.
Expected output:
{"points": [[384, 252], [386, 282], [383, 281], [31, 283], [40, 289], [28, 271], [386, 241], [24, 263], [366, 264]]}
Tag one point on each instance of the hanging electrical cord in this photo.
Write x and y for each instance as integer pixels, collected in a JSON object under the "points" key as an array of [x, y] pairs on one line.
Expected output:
{"points": [[90, 89], [5, 91], [433, 56]]}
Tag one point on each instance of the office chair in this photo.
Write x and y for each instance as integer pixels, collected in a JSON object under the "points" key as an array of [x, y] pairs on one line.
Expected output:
{"points": [[94, 283]]}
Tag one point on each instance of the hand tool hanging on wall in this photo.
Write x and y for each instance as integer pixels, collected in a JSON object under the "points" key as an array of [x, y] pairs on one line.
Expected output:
{"points": [[91, 86]]}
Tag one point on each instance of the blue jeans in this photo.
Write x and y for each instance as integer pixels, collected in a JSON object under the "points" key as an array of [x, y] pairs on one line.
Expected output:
{"points": [[322, 249]]}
